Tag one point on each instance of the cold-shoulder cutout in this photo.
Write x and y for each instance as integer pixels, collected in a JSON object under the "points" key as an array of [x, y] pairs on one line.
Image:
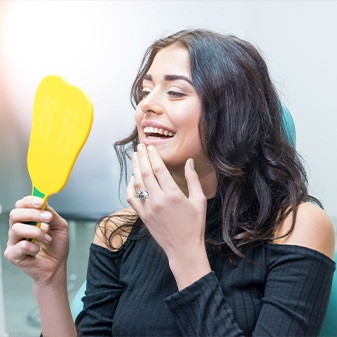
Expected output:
{"points": [[313, 229], [113, 230]]}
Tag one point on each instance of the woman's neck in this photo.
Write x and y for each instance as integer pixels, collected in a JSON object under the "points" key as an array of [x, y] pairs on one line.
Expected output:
{"points": [[207, 180]]}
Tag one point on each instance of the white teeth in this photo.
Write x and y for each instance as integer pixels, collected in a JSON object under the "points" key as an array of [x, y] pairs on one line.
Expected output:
{"points": [[160, 131]]}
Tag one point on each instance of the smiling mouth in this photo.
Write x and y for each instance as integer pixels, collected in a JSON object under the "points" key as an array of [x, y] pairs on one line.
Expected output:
{"points": [[153, 132]]}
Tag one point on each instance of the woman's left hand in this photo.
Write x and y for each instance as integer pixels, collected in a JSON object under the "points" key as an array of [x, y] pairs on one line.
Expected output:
{"points": [[176, 221]]}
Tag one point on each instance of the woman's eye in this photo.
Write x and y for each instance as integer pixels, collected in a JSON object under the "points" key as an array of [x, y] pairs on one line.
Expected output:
{"points": [[144, 93], [175, 94]]}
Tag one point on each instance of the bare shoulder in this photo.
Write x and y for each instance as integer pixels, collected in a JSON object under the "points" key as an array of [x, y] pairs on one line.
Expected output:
{"points": [[113, 230], [313, 229]]}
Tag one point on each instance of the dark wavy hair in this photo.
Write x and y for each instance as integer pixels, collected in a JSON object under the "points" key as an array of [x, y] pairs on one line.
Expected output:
{"points": [[260, 175]]}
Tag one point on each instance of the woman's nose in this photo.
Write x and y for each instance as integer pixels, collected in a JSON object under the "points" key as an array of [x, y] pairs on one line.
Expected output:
{"points": [[151, 104]]}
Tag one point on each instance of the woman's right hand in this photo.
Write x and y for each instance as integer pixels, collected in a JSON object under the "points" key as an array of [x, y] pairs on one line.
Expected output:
{"points": [[44, 257]]}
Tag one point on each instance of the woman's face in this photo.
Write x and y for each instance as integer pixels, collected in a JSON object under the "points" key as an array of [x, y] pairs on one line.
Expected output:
{"points": [[168, 115]]}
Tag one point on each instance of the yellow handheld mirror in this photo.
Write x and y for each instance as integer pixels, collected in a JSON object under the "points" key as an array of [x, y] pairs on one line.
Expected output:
{"points": [[61, 123]]}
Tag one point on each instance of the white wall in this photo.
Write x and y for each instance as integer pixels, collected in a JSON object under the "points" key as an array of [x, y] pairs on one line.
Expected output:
{"points": [[98, 46], [298, 39]]}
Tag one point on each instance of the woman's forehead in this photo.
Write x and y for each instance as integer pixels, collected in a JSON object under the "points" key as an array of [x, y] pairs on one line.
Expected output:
{"points": [[170, 60]]}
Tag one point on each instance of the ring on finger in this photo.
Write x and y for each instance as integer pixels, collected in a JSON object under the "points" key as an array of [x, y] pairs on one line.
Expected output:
{"points": [[142, 195]]}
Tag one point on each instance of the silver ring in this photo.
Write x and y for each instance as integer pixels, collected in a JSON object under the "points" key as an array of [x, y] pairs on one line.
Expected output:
{"points": [[142, 195]]}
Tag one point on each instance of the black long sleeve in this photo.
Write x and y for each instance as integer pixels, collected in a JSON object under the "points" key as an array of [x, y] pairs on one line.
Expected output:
{"points": [[297, 288]]}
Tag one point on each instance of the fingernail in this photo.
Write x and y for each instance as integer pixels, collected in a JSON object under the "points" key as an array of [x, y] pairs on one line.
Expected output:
{"points": [[48, 238], [45, 216], [139, 147], [150, 148], [192, 163], [37, 202]]}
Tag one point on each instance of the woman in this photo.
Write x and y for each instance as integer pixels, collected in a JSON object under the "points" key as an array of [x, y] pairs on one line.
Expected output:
{"points": [[222, 238]]}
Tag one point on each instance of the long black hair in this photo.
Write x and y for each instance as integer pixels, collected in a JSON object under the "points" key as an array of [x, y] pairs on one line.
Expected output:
{"points": [[260, 176]]}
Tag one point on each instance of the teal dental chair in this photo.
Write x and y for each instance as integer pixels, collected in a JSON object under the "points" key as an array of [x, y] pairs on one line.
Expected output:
{"points": [[329, 328], [76, 305]]}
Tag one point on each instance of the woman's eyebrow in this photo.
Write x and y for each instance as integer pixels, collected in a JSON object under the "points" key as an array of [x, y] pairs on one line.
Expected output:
{"points": [[148, 77], [177, 77]]}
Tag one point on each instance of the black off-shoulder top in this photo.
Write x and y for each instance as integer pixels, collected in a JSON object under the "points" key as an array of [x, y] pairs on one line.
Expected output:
{"points": [[278, 290]]}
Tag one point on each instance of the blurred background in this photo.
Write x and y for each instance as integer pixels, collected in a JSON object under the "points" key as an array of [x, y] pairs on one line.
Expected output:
{"points": [[98, 46]]}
